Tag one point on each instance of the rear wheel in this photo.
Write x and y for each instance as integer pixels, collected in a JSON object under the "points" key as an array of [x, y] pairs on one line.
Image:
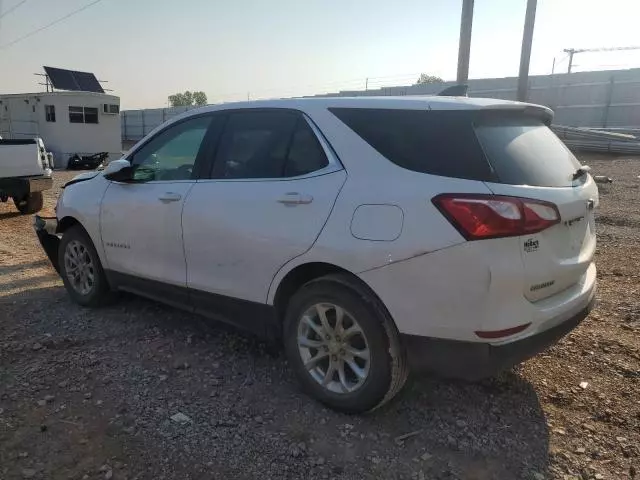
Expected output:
{"points": [[343, 346], [31, 203], [81, 270]]}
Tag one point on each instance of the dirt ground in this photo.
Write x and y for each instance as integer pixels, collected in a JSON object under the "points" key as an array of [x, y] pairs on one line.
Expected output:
{"points": [[89, 394]]}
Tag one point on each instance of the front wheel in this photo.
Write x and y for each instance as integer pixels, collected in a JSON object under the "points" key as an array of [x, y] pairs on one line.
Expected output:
{"points": [[81, 270], [29, 204], [342, 345]]}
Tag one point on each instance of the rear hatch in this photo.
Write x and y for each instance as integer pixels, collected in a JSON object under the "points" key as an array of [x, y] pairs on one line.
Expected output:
{"points": [[528, 160]]}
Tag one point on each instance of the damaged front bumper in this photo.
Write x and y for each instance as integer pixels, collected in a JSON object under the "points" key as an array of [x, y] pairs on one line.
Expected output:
{"points": [[46, 229]]}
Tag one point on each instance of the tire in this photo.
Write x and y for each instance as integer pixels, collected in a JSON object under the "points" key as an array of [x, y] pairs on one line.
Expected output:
{"points": [[379, 379], [32, 203], [89, 287]]}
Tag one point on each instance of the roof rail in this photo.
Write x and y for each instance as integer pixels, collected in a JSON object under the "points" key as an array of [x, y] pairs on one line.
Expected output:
{"points": [[459, 90]]}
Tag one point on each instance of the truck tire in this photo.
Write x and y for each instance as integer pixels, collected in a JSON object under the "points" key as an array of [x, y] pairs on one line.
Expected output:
{"points": [[32, 203]]}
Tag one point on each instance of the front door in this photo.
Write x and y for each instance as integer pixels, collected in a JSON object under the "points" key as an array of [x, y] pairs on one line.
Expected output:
{"points": [[141, 220]]}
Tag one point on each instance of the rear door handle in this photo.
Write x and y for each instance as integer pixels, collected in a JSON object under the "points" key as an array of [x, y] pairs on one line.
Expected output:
{"points": [[295, 198], [169, 197]]}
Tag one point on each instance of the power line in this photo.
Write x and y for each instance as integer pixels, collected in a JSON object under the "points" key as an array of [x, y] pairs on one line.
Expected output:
{"points": [[44, 27], [11, 9]]}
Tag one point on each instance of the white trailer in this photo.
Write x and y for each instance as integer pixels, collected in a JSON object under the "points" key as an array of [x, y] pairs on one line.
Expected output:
{"points": [[83, 123]]}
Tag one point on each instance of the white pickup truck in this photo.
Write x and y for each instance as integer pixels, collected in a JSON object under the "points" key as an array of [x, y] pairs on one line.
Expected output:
{"points": [[25, 172]]}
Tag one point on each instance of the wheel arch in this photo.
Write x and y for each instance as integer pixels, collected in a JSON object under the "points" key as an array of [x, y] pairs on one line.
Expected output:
{"points": [[65, 223], [303, 273]]}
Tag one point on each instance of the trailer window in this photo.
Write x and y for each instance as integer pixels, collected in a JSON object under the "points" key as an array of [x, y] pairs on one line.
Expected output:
{"points": [[50, 113], [83, 115], [90, 115]]}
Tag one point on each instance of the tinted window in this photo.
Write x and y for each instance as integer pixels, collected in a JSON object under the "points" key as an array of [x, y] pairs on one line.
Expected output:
{"points": [[90, 115], [438, 142], [305, 152], [255, 145], [50, 113], [524, 151], [76, 114], [171, 154]]}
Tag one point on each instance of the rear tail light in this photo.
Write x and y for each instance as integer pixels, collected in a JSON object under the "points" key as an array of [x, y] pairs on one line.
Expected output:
{"points": [[479, 217]]}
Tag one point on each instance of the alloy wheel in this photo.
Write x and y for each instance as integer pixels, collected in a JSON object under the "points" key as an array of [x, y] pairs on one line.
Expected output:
{"points": [[333, 348], [79, 267]]}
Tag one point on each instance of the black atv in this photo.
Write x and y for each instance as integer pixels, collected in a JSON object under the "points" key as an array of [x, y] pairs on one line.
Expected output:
{"points": [[87, 162]]}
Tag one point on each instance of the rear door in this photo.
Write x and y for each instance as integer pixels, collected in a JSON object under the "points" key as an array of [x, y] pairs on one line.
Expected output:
{"points": [[530, 161], [273, 185]]}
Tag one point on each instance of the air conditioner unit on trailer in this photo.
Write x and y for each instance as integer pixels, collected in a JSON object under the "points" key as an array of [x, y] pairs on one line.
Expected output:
{"points": [[110, 108]]}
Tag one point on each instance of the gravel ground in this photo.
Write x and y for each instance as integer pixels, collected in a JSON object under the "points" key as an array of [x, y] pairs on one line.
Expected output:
{"points": [[94, 394]]}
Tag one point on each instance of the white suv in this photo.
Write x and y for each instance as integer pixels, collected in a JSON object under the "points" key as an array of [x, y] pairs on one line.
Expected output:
{"points": [[370, 235]]}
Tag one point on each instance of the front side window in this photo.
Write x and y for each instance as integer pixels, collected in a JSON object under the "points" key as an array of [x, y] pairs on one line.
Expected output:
{"points": [[83, 115], [171, 154], [268, 144]]}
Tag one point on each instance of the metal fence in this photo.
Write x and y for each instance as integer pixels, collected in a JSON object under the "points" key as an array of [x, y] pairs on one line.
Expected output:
{"points": [[602, 99], [135, 124]]}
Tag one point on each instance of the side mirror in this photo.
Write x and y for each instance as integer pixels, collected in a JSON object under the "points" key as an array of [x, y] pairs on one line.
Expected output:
{"points": [[118, 171]]}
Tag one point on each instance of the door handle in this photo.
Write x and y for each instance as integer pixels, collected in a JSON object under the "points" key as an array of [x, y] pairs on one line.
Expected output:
{"points": [[169, 197], [295, 198]]}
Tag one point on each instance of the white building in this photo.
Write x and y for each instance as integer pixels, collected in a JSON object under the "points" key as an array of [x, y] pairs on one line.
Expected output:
{"points": [[68, 122]]}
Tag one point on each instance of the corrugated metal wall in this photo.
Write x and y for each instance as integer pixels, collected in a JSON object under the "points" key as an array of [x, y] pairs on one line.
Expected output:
{"points": [[135, 124], [584, 99]]}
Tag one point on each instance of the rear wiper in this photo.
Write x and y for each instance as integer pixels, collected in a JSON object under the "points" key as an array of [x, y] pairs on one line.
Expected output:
{"points": [[583, 170]]}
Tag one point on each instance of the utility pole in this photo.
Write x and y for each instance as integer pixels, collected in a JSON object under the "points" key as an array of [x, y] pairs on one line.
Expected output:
{"points": [[464, 49], [570, 51], [525, 53]]}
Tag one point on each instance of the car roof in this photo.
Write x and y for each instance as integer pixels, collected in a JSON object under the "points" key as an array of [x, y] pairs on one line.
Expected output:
{"points": [[417, 102]]}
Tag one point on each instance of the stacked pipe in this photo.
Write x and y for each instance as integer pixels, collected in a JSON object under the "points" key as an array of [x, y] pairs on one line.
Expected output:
{"points": [[598, 140]]}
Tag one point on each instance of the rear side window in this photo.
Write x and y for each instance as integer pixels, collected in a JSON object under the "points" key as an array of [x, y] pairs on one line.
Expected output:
{"points": [[254, 145], [524, 151], [437, 142], [268, 144], [305, 153]]}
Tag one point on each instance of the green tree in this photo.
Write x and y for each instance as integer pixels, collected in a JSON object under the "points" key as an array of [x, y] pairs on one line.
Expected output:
{"points": [[199, 98], [424, 78], [188, 99]]}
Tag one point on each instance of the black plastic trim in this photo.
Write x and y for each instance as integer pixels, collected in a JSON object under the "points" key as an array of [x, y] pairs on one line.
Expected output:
{"points": [[45, 228], [477, 360], [253, 317]]}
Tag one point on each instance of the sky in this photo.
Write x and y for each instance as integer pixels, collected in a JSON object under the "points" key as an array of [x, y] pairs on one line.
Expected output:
{"points": [[238, 49]]}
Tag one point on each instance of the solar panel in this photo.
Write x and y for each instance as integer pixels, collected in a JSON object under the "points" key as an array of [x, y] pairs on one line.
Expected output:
{"points": [[88, 82], [72, 80], [61, 79]]}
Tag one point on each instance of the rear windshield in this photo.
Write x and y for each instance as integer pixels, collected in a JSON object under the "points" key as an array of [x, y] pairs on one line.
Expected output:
{"points": [[525, 151], [501, 147]]}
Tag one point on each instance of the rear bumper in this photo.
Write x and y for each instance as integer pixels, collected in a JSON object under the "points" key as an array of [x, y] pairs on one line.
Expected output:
{"points": [[474, 360], [46, 228]]}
